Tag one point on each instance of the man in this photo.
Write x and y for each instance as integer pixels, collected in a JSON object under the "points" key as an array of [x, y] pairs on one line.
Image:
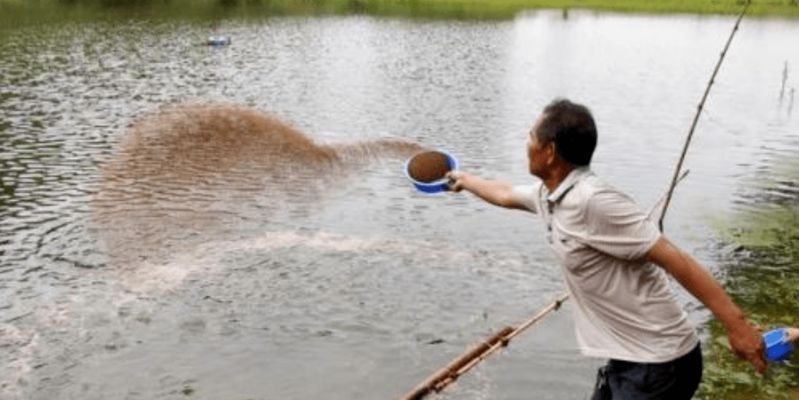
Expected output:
{"points": [[615, 261]]}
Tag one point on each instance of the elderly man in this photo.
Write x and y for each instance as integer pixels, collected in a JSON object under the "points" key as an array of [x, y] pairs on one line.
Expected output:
{"points": [[615, 261]]}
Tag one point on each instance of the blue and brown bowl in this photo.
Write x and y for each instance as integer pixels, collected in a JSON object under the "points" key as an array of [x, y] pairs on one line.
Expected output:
{"points": [[428, 170]]}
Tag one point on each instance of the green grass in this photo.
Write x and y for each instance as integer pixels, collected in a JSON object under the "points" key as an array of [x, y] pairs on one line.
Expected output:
{"points": [[508, 8], [17, 12]]}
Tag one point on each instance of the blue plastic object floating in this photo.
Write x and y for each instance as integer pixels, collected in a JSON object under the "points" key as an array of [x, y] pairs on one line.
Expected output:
{"points": [[218, 40], [437, 186], [778, 347]]}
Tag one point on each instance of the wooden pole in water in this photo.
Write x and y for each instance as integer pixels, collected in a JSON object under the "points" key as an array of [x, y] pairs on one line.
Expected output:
{"points": [[696, 116], [479, 352]]}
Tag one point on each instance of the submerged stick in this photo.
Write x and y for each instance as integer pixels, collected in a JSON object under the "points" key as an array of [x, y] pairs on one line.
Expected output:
{"points": [[696, 117], [784, 79]]}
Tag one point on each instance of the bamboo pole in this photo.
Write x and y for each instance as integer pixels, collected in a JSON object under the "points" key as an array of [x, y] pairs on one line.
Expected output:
{"points": [[696, 116], [479, 352]]}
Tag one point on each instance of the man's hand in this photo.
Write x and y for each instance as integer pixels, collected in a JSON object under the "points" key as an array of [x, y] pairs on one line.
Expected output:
{"points": [[747, 343], [498, 193], [455, 180]]}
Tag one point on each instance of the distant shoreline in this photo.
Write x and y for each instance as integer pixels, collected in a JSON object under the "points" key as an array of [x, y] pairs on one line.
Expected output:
{"points": [[21, 11]]}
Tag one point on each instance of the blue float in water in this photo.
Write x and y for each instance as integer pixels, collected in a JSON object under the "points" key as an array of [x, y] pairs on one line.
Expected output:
{"points": [[437, 186], [218, 40]]}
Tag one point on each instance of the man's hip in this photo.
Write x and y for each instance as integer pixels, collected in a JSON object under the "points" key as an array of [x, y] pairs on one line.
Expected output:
{"points": [[673, 380]]}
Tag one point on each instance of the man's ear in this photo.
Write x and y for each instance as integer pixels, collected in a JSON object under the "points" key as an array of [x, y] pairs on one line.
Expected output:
{"points": [[552, 152]]}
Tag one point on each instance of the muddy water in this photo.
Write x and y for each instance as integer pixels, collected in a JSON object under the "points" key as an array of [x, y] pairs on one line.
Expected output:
{"points": [[189, 222]]}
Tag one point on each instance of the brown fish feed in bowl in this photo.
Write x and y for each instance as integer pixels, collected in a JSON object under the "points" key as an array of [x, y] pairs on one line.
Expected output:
{"points": [[428, 166]]}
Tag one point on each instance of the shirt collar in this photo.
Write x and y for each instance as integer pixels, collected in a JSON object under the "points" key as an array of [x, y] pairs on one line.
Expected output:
{"points": [[568, 183]]}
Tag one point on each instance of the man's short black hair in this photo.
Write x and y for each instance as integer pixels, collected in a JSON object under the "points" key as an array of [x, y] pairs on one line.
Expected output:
{"points": [[572, 128]]}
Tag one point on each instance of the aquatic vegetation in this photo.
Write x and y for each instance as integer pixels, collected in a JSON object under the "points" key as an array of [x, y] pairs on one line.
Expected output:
{"points": [[762, 275]]}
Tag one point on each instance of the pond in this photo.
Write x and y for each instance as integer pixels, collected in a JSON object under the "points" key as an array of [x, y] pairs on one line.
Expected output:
{"points": [[156, 244]]}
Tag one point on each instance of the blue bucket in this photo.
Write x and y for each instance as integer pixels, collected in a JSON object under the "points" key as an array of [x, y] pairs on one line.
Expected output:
{"points": [[437, 186], [778, 347]]}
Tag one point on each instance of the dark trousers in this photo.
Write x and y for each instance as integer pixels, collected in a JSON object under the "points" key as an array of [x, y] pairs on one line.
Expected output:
{"points": [[673, 380]]}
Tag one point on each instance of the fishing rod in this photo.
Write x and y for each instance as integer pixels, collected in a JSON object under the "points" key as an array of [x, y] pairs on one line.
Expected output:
{"points": [[698, 113], [479, 352]]}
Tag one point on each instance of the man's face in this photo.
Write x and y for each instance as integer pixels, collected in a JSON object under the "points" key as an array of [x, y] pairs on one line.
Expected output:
{"points": [[539, 155]]}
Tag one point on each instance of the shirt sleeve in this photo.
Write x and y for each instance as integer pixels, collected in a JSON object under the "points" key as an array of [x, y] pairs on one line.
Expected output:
{"points": [[529, 196], [616, 226]]}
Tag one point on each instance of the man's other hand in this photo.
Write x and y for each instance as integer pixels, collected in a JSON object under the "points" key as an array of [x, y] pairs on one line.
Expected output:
{"points": [[747, 343]]}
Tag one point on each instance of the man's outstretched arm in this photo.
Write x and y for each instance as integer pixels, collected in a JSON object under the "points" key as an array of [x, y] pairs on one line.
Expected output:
{"points": [[498, 193], [744, 339]]}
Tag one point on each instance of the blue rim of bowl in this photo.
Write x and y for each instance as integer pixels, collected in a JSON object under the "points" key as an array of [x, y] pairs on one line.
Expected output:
{"points": [[437, 186]]}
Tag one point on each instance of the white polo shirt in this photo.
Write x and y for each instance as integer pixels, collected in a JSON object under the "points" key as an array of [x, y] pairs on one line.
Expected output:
{"points": [[623, 306]]}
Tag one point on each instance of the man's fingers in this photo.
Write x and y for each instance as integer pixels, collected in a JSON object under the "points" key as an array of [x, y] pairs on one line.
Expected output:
{"points": [[756, 358], [759, 363], [454, 181], [751, 350]]}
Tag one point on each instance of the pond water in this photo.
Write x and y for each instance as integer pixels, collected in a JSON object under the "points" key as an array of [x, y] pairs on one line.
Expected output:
{"points": [[158, 241]]}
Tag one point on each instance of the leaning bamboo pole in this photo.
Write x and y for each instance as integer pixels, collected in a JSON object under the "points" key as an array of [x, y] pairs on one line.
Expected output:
{"points": [[459, 366], [678, 168]]}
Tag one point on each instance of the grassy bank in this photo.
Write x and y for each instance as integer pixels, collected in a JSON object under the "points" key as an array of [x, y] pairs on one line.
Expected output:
{"points": [[762, 275], [20, 11]]}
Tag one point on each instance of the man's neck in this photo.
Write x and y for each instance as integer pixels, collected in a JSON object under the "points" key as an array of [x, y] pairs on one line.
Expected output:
{"points": [[556, 175]]}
